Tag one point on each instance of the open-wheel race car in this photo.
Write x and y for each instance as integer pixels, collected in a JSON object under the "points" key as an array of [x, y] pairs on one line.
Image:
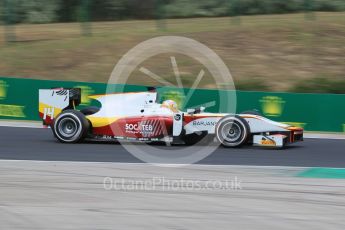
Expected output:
{"points": [[139, 117]]}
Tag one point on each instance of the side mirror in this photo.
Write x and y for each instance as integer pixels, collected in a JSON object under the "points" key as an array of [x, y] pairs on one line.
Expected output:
{"points": [[195, 111], [190, 111]]}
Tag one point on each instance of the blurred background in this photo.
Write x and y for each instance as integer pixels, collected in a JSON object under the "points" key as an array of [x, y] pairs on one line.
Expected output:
{"points": [[268, 45]]}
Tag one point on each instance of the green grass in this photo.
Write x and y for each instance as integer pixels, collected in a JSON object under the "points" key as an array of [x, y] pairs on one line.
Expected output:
{"points": [[320, 85], [268, 52]]}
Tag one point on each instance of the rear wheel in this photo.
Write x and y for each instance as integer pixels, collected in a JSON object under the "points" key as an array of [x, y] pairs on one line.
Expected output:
{"points": [[71, 126], [232, 131]]}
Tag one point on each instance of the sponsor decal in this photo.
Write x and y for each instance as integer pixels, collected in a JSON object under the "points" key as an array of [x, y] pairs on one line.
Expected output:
{"points": [[62, 92], [113, 138], [12, 111], [204, 123], [106, 137], [267, 142], [144, 139], [139, 127], [272, 106], [177, 117], [3, 90]]}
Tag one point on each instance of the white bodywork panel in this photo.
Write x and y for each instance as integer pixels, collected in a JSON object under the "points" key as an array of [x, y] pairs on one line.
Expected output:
{"points": [[203, 124], [269, 141], [144, 104], [54, 97], [52, 101], [178, 124], [260, 124], [130, 104], [257, 124]]}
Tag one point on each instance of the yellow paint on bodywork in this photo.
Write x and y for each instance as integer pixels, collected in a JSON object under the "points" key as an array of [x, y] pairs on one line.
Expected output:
{"points": [[101, 121], [42, 106], [95, 96]]}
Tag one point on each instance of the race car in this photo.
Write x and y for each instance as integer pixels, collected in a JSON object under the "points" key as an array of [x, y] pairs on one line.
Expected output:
{"points": [[137, 116]]}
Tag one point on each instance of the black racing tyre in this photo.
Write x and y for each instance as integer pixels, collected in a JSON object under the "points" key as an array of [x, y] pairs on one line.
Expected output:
{"points": [[89, 110], [252, 112], [232, 131], [70, 126]]}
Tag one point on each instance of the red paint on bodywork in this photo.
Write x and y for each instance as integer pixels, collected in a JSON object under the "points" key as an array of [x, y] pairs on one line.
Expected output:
{"points": [[47, 121], [138, 127]]}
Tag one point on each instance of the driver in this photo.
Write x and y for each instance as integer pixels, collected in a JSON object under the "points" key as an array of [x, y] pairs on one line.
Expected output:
{"points": [[170, 104]]}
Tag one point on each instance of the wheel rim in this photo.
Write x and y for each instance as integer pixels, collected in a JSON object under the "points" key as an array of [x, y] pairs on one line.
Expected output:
{"points": [[67, 127], [231, 132]]}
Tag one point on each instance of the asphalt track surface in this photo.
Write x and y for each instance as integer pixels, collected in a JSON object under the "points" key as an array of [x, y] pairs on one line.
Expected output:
{"points": [[39, 144], [40, 195]]}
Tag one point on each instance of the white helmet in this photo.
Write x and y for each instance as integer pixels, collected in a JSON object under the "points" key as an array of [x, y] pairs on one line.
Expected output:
{"points": [[170, 104]]}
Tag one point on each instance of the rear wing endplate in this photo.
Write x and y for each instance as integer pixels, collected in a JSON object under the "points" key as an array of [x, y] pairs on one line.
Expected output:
{"points": [[53, 101]]}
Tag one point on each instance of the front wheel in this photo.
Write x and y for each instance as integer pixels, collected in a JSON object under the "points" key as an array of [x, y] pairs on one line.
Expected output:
{"points": [[70, 126], [232, 131]]}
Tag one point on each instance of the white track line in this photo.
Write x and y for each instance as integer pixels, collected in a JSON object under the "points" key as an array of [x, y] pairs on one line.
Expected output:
{"points": [[21, 124], [37, 124], [331, 136], [273, 167], [164, 165]]}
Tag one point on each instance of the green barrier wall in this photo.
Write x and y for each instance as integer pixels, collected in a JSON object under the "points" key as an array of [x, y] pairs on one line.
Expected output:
{"points": [[314, 112]]}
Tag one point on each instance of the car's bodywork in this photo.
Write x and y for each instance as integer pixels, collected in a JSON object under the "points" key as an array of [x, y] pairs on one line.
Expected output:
{"points": [[138, 116]]}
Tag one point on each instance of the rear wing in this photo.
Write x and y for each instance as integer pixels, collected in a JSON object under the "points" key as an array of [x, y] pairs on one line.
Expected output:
{"points": [[53, 101]]}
